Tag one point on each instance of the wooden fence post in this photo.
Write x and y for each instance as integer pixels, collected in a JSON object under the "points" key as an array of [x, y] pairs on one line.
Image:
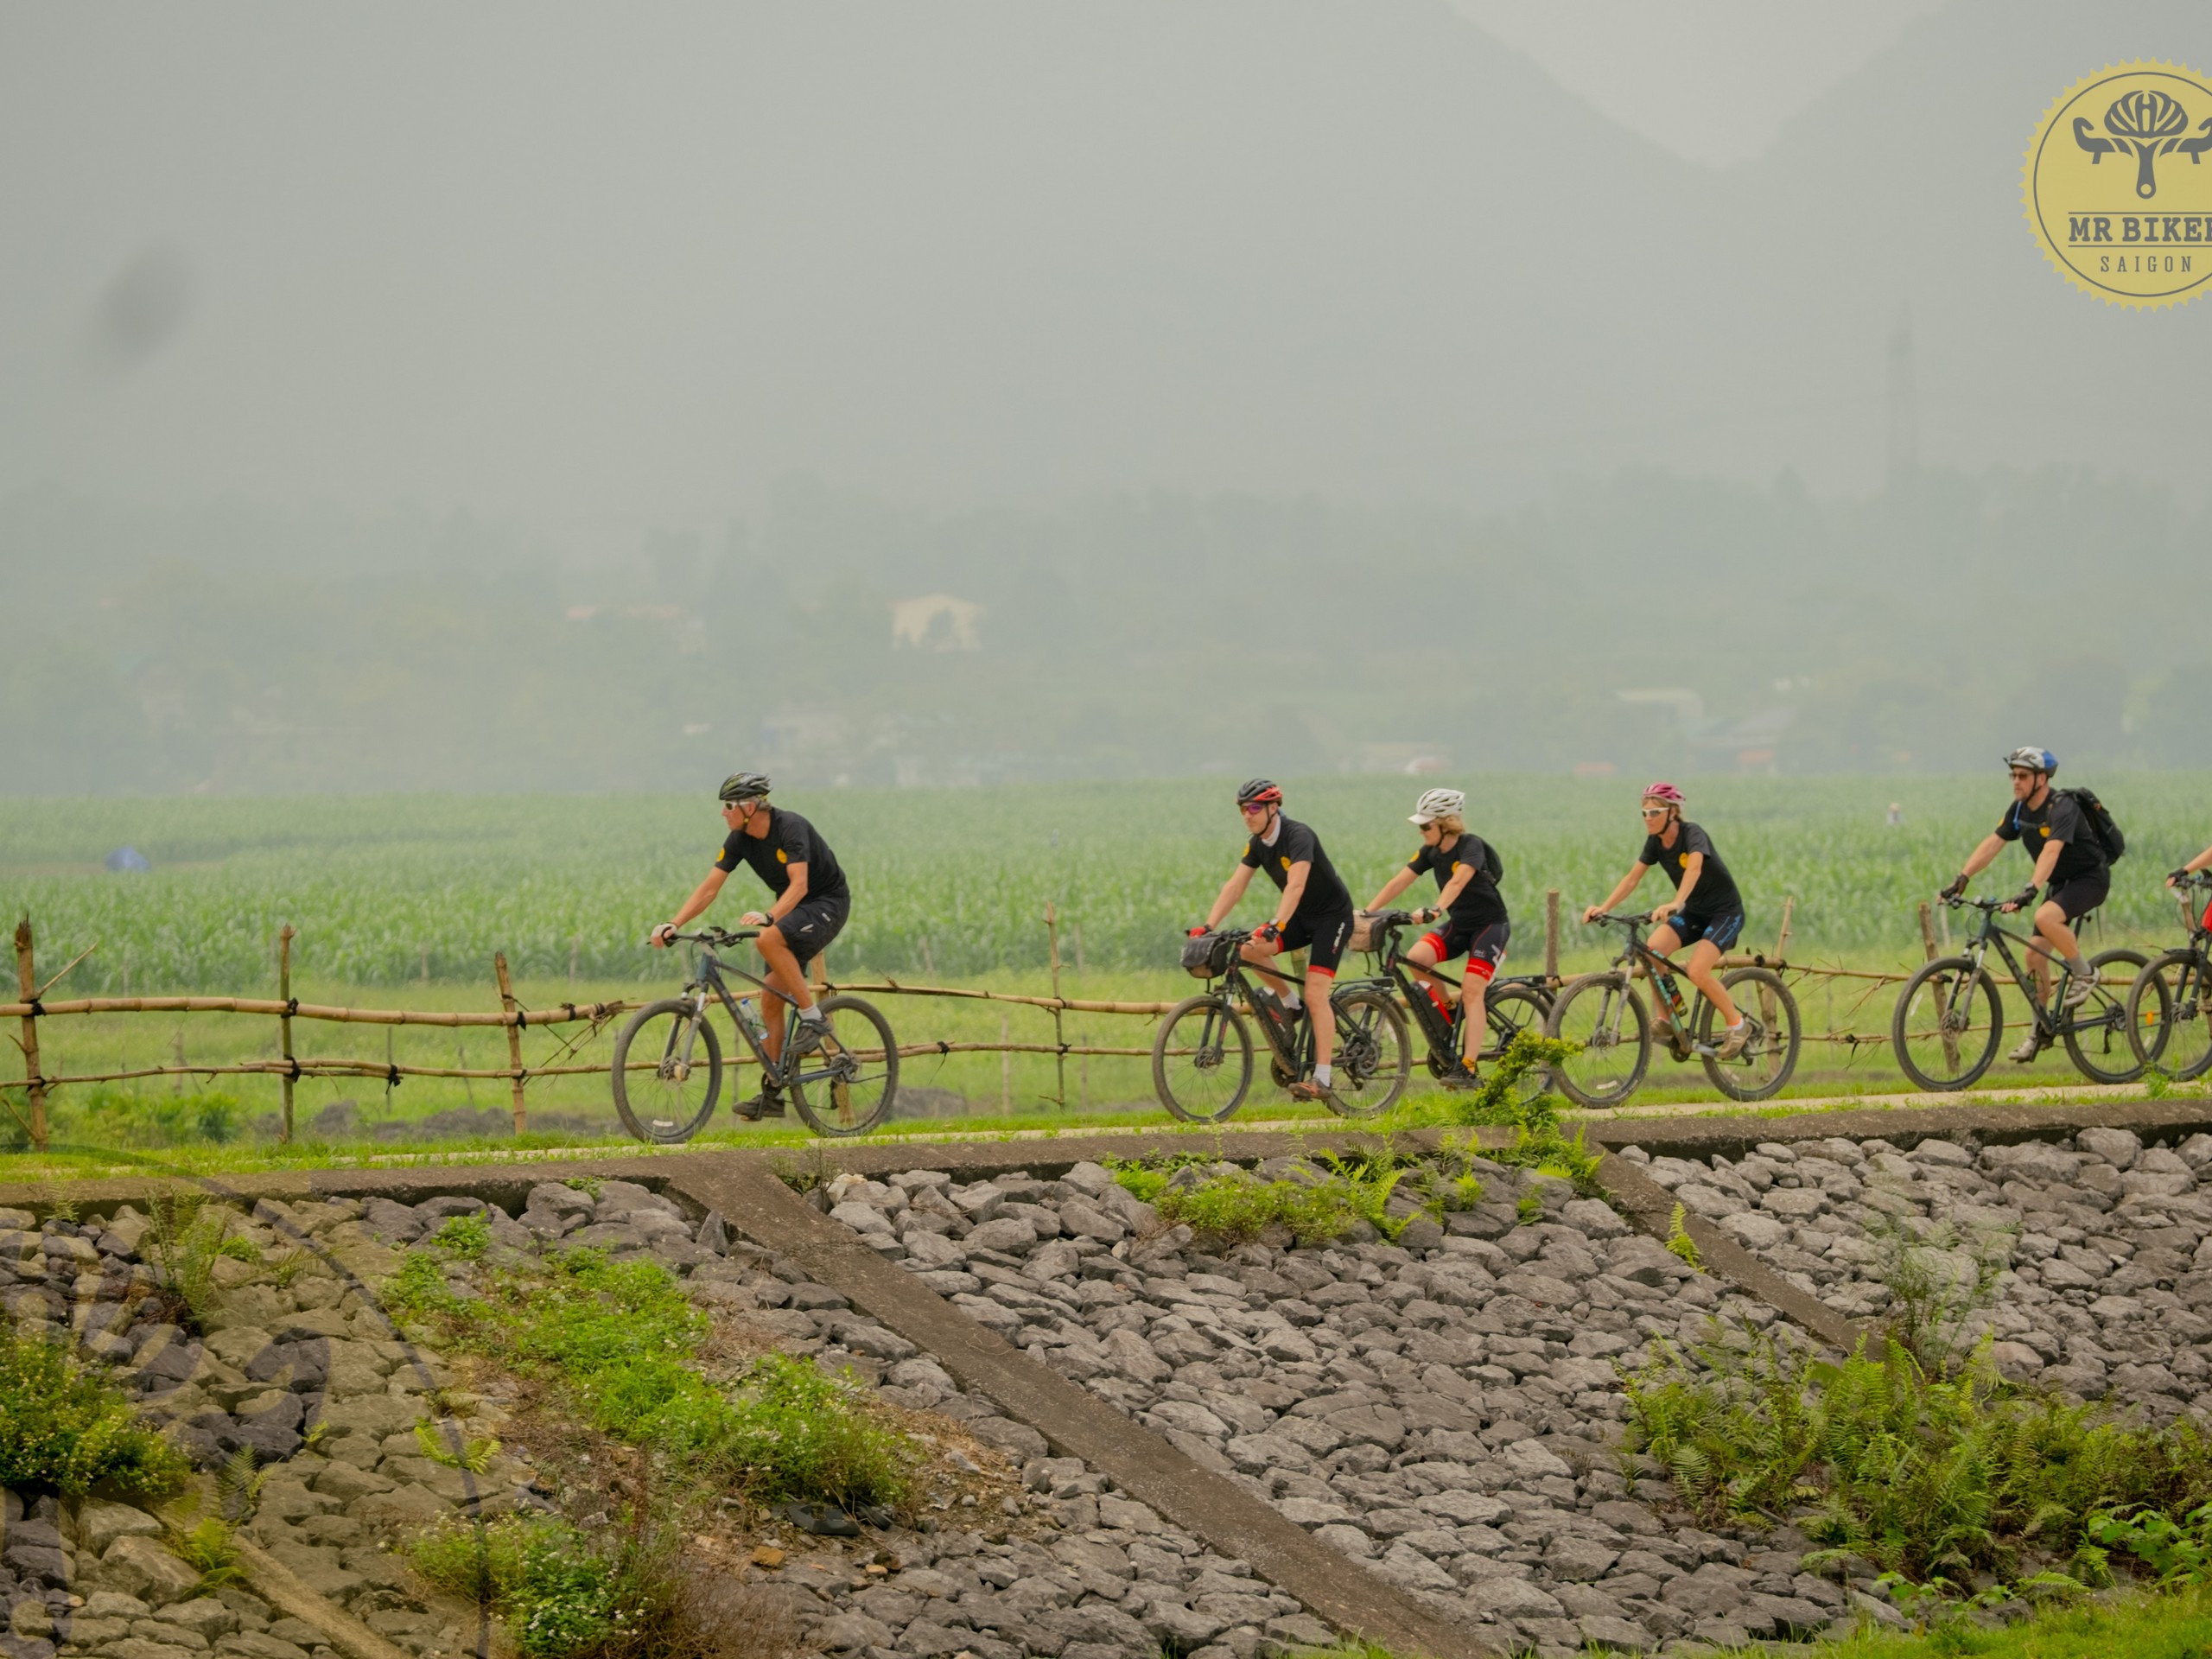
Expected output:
{"points": [[285, 1022], [1551, 935], [1782, 941], [514, 1035], [1059, 1036], [1005, 1063], [33, 1083]]}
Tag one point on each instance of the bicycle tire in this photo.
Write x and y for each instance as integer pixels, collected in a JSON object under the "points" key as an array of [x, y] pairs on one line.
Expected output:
{"points": [[1939, 1060], [667, 1112], [844, 1088], [2098, 1031], [1769, 1057], [1508, 1013], [1372, 1059], [1220, 1059], [2176, 1034], [1589, 1013]]}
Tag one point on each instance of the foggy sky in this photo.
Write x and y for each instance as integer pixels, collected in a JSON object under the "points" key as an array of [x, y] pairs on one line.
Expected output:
{"points": [[587, 267]]}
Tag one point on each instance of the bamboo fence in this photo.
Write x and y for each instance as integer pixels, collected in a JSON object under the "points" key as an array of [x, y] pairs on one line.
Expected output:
{"points": [[36, 1086]]}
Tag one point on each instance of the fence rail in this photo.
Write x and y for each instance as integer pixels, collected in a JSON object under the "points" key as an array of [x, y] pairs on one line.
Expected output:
{"points": [[32, 1006]]}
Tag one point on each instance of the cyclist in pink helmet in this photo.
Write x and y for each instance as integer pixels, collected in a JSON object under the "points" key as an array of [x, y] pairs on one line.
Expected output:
{"points": [[1706, 914]]}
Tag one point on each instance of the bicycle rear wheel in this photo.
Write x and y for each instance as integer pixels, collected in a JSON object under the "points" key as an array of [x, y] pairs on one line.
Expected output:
{"points": [[1947, 1024], [846, 1086], [1771, 1054], [2097, 1035], [670, 1095], [1507, 1012], [2170, 1016], [1202, 1059], [1606, 1020], [1372, 1059]]}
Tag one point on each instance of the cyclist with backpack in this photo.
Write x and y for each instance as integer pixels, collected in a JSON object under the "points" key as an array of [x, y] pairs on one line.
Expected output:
{"points": [[1706, 914], [1469, 912], [1314, 914], [2063, 831]]}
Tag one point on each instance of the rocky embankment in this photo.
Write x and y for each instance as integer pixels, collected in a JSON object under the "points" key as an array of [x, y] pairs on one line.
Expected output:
{"points": [[2095, 1254], [1444, 1415]]}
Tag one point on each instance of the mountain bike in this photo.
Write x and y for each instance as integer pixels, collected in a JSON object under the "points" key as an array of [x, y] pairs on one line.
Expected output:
{"points": [[1510, 1005], [845, 1086], [2169, 1005], [1604, 1015], [1201, 1058], [1949, 1020]]}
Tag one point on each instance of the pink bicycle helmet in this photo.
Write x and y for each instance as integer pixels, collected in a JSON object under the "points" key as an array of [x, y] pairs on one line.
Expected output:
{"points": [[1663, 792]]}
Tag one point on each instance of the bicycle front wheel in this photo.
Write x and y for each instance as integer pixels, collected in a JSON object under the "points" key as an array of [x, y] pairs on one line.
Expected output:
{"points": [[1606, 1021], [1770, 1055], [666, 1093], [1947, 1024], [846, 1086], [2170, 1016], [1372, 1059], [2097, 1035], [1201, 1060]]}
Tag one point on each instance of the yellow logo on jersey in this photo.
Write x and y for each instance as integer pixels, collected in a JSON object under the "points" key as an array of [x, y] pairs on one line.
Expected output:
{"points": [[2046, 832], [1286, 863], [782, 857], [1684, 861]]}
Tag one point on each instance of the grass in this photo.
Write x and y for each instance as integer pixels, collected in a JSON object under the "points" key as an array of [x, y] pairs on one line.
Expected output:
{"points": [[63, 1425], [621, 1342], [1921, 1475], [2134, 1625], [557, 1596], [185, 1239]]}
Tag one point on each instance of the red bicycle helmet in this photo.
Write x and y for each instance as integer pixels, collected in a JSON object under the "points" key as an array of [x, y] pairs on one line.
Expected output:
{"points": [[1664, 792]]}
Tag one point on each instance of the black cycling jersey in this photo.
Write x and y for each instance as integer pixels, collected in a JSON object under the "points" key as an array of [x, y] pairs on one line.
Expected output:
{"points": [[791, 839], [2058, 819], [1715, 893], [1296, 844], [1479, 903]]}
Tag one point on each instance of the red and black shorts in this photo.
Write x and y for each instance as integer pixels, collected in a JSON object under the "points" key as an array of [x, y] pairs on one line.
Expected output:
{"points": [[1483, 946], [1322, 937]]}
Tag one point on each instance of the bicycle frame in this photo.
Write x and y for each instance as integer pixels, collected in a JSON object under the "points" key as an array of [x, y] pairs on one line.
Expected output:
{"points": [[709, 977], [1290, 1041], [1976, 952], [1637, 954], [1443, 1036]]}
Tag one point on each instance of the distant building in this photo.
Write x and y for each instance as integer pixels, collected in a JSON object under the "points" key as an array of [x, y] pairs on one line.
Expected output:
{"points": [[937, 622]]}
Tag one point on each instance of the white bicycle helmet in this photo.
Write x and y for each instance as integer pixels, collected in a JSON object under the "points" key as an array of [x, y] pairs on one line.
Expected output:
{"points": [[1439, 803]]}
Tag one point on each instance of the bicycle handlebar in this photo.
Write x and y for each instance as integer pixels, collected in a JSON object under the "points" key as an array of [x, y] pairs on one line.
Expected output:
{"points": [[713, 935], [1605, 918]]}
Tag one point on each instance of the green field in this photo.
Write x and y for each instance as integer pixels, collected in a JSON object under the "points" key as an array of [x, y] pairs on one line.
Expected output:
{"points": [[950, 886], [949, 881]]}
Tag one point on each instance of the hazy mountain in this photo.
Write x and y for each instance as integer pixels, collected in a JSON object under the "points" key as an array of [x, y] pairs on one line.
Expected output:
{"points": [[588, 268]]}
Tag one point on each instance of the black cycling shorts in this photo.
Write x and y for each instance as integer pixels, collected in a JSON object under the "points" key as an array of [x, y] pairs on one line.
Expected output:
{"points": [[2077, 898], [1483, 946], [809, 924], [1322, 937], [1720, 932]]}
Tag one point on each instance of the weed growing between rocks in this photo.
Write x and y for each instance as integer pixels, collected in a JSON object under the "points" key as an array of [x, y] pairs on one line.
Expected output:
{"points": [[1921, 1475], [1680, 1244], [1939, 1277], [622, 1343], [2177, 1552], [64, 1426], [185, 1236], [211, 1548], [559, 1597]]}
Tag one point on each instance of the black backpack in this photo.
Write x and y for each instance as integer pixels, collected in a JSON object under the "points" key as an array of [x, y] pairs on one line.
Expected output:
{"points": [[2102, 824], [1493, 864]]}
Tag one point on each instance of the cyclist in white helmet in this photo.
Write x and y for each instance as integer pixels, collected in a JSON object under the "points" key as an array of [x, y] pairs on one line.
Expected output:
{"points": [[1469, 913]]}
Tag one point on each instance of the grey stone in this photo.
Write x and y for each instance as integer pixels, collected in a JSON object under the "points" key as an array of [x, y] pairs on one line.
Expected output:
{"points": [[2118, 1148]]}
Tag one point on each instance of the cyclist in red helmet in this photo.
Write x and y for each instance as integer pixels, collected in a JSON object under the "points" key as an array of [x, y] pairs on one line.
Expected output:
{"points": [[1706, 914], [1314, 914]]}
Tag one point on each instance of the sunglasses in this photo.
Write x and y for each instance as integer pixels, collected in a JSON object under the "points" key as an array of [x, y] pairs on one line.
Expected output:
{"points": [[1655, 811]]}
